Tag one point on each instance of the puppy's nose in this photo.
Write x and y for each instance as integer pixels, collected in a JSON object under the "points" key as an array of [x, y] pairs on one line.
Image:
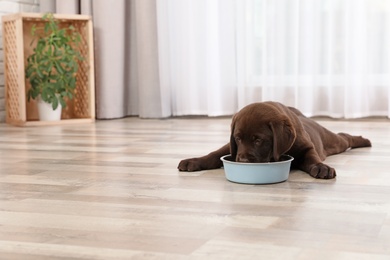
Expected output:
{"points": [[242, 158]]}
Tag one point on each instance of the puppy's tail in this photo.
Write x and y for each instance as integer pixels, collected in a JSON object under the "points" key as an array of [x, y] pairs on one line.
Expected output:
{"points": [[356, 141]]}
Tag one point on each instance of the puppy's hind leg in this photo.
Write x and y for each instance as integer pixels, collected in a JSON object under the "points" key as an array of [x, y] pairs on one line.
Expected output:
{"points": [[355, 141]]}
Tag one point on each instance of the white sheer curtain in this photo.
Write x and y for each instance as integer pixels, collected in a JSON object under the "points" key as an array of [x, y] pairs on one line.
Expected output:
{"points": [[325, 57], [197, 52]]}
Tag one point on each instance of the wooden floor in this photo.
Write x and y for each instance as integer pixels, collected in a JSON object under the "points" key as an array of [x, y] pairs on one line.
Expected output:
{"points": [[111, 190]]}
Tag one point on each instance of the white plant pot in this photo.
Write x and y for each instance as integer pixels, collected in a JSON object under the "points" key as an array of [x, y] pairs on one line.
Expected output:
{"points": [[46, 112]]}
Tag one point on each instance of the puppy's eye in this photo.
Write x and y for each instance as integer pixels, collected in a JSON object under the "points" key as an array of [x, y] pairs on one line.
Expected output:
{"points": [[237, 138], [258, 142]]}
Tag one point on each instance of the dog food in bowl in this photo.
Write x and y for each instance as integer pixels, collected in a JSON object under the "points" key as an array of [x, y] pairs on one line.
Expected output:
{"points": [[257, 173]]}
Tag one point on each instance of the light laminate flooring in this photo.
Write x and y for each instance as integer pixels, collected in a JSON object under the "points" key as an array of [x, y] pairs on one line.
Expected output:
{"points": [[111, 190]]}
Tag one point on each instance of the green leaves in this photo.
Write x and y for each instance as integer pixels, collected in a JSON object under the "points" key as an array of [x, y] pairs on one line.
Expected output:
{"points": [[51, 69]]}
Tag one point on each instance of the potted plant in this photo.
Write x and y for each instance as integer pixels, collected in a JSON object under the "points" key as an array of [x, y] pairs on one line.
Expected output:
{"points": [[51, 68]]}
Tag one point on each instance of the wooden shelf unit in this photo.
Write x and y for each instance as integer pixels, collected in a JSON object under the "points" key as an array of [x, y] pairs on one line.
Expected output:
{"points": [[17, 47]]}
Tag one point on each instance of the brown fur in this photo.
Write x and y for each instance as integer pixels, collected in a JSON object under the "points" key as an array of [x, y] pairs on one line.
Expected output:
{"points": [[262, 132]]}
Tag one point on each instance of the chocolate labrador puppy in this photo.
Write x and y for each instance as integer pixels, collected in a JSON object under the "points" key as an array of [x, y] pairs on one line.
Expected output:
{"points": [[262, 132]]}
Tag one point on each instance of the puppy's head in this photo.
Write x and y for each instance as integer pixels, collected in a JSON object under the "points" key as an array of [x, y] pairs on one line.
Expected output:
{"points": [[260, 133]]}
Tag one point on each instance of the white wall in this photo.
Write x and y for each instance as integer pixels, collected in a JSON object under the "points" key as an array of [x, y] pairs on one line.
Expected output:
{"points": [[7, 7]]}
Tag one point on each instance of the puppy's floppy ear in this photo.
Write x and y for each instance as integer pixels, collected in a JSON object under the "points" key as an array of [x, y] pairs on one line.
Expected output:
{"points": [[284, 135], [233, 144]]}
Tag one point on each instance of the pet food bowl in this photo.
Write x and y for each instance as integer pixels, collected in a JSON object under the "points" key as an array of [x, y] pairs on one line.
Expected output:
{"points": [[257, 173]]}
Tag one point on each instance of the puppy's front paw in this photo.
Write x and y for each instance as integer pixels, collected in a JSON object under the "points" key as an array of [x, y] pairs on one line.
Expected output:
{"points": [[190, 165], [207, 162], [322, 171]]}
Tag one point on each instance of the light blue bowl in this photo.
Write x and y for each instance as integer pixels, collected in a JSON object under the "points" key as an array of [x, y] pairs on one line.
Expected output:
{"points": [[257, 173]]}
